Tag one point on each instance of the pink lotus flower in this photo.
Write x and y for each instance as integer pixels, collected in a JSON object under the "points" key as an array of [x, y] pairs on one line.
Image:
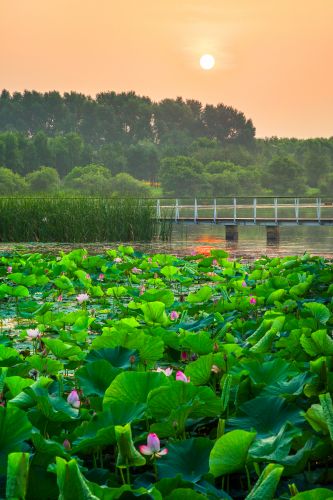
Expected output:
{"points": [[167, 372], [135, 270], [142, 290], [9, 269], [84, 257], [33, 333], [211, 273], [181, 376], [117, 260], [244, 284], [253, 300], [183, 355], [101, 277], [215, 263], [73, 399], [153, 447], [59, 298], [82, 297], [193, 252], [150, 260], [88, 277], [174, 315]]}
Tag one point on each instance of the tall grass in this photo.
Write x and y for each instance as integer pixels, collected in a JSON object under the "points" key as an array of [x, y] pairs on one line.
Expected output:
{"points": [[80, 219]]}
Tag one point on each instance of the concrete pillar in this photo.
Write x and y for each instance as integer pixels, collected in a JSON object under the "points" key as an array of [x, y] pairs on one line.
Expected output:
{"points": [[231, 233], [273, 234]]}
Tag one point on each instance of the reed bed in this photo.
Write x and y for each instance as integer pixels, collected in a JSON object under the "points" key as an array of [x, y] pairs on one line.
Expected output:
{"points": [[77, 220]]}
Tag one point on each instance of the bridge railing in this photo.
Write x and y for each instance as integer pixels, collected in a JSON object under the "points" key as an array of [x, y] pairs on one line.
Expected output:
{"points": [[251, 209]]}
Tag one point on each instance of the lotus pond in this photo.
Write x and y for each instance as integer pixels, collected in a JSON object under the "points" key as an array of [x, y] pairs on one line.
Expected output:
{"points": [[127, 375]]}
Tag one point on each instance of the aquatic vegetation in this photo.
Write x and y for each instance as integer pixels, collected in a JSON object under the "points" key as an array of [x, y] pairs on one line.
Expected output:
{"points": [[128, 375]]}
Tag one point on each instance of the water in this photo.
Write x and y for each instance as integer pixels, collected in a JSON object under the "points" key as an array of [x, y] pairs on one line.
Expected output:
{"points": [[187, 238]]}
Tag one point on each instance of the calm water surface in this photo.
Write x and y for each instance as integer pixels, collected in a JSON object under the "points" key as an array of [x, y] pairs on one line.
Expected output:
{"points": [[202, 237]]}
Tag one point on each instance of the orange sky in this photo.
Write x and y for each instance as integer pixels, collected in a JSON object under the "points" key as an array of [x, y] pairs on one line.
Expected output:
{"points": [[274, 57]]}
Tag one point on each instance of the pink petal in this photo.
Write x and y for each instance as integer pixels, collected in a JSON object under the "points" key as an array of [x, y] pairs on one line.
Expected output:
{"points": [[153, 442], [164, 451], [145, 450], [181, 376]]}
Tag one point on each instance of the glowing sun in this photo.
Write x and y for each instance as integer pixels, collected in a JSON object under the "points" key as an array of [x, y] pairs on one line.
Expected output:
{"points": [[207, 61]]}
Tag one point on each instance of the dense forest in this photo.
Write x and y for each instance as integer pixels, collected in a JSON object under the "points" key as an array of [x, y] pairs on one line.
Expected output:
{"points": [[127, 144]]}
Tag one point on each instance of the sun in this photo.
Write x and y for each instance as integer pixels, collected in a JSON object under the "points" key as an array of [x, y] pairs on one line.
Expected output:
{"points": [[207, 61]]}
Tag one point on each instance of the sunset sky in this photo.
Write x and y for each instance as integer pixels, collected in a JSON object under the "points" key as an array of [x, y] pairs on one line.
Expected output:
{"points": [[273, 57]]}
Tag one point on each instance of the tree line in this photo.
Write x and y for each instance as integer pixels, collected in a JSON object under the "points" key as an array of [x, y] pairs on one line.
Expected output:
{"points": [[50, 142]]}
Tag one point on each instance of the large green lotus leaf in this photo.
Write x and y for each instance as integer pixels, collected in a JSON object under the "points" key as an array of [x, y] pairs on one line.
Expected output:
{"points": [[315, 417], [288, 388], [276, 296], [8, 353], [230, 452], [199, 343], [175, 424], [190, 458], [167, 485], [154, 313], [133, 387], [276, 447], [45, 365], [19, 291], [185, 494], [267, 483], [94, 378], [128, 455], [48, 446], [204, 402], [319, 343], [62, 350], [117, 291], [200, 370], [219, 254], [64, 283], [316, 494], [266, 415], [120, 357], [52, 407], [327, 406], [82, 275], [15, 428], [70, 481], [319, 311], [202, 295], [150, 348], [17, 475], [17, 384], [268, 372], [24, 400], [166, 296], [99, 431], [169, 271]]}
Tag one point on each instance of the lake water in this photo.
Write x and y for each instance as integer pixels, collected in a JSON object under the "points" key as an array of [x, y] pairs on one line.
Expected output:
{"points": [[187, 238]]}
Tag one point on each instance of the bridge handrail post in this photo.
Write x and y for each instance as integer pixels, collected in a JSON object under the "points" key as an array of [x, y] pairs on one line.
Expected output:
{"points": [[276, 210], [235, 210], [158, 210], [254, 210], [215, 211], [177, 211], [319, 210], [195, 211], [297, 209]]}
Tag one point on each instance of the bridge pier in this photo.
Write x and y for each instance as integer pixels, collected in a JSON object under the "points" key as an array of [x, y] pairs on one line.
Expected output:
{"points": [[273, 234], [231, 233]]}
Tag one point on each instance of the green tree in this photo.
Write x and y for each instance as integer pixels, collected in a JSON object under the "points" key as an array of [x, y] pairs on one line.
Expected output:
{"points": [[92, 179], [45, 179], [285, 176], [124, 184], [182, 176], [11, 183], [143, 160]]}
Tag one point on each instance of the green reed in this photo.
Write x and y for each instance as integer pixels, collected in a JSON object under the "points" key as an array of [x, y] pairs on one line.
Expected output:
{"points": [[79, 219]]}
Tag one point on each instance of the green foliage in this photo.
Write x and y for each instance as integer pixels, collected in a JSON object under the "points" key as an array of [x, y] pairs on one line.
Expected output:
{"points": [[230, 390]]}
